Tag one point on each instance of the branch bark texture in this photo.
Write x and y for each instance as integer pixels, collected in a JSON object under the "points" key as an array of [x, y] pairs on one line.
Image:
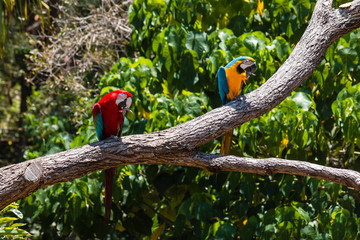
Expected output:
{"points": [[177, 145]]}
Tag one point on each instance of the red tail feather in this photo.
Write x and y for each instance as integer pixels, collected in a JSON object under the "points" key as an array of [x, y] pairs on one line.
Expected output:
{"points": [[109, 178]]}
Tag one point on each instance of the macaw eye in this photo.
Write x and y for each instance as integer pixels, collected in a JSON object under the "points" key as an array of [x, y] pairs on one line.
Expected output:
{"points": [[239, 69], [122, 105]]}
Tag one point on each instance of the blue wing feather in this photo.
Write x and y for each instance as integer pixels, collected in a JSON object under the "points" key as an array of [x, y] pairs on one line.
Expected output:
{"points": [[223, 85], [99, 127], [98, 122]]}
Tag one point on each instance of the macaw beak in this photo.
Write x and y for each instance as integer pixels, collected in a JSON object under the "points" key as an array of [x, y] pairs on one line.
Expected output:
{"points": [[249, 67], [128, 109], [123, 108]]}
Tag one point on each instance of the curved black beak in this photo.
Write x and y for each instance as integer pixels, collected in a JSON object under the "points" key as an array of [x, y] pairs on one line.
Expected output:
{"points": [[249, 67]]}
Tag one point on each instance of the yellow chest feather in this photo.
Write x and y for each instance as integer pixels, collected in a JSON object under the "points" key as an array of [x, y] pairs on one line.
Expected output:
{"points": [[235, 81]]}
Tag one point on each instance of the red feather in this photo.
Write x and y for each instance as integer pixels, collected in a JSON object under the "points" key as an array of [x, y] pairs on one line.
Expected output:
{"points": [[112, 119], [109, 179]]}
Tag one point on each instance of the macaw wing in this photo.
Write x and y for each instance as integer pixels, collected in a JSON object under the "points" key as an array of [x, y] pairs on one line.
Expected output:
{"points": [[98, 122], [223, 85], [119, 128]]}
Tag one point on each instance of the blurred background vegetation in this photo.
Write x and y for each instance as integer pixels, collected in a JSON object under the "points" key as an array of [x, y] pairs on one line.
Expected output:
{"points": [[60, 57]]}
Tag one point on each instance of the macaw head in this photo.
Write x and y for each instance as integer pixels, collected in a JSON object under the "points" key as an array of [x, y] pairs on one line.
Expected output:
{"points": [[244, 64], [116, 101], [123, 101], [248, 66]]}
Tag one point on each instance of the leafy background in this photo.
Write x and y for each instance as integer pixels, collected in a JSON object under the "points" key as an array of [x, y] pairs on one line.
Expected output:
{"points": [[175, 49]]}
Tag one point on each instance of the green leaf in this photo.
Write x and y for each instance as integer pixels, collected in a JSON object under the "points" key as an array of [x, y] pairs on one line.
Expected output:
{"points": [[280, 7], [336, 108], [305, 215], [224, 35], [225, 231], [214, 228], [238, 24], [310, 231], [254, 43], [176, 37], [348, 58], [337, 231], [301, 8], [197, 42], [241, 208], [8, 231], [143, 220], [203, 212], [17, 213], [163, 182], [248, 231], [333, 190], [286, 213], [302, 100], [188, 74], [288, 107], [281, 48], [5, 220], [180, 224], [216, 59], [348, 202]]}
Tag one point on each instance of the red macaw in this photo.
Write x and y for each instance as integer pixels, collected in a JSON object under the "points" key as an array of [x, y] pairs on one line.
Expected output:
{"points": [[231, 80], [108, 115]]}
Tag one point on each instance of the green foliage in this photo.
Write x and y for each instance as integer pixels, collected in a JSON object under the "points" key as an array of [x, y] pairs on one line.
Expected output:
{"points": [[346, 108], [156, 105], [18, 20], [79, 199], [16, 13], [180, 46], [51, 128], [8, 227]]}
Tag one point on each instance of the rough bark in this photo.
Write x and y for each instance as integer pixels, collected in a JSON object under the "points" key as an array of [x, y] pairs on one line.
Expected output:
{"points": [[177, 145]]}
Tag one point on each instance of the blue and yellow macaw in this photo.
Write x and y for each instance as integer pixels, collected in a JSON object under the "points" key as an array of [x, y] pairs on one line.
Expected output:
{"points": [[231, 80]]}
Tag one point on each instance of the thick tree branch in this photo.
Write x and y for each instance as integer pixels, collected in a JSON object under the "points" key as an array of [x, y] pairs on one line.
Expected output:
{"points": [[270, 166], [177, 145]]}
